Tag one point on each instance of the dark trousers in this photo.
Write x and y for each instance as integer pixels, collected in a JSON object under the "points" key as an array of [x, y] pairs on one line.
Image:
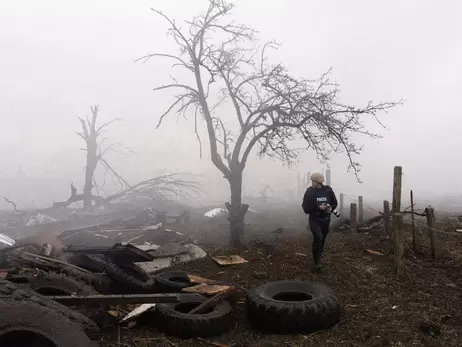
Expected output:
{"points": [[319, 228]]}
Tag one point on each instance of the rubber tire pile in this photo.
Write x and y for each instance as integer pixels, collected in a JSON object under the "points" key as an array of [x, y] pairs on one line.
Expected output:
{"points": [[23, 311], [278, 307]]}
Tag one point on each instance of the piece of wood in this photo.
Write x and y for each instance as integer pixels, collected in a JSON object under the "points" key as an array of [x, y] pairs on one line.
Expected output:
{"points": [[360, 210], [206, 289], [414, 234], [212, 301], [397, 186], [431, 223], [342, 210], [386, 217], [398, 223], [198, 280], [353, 217], [229, 260]]}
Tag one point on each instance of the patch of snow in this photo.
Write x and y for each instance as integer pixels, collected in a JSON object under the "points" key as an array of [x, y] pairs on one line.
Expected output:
{"points": [[215, 212], [40, 219], [153, 227]]}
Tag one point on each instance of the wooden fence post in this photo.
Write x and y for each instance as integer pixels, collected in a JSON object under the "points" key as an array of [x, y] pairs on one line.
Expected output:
{"points": [[414, 235], [353, 217], [398, 241], [431, 223], [397, 185], [360, 210], [387, 217], [328, 177], [342, 210]]}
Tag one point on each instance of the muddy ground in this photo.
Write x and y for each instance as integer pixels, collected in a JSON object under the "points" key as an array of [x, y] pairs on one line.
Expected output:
{"points": [[380, 308]]}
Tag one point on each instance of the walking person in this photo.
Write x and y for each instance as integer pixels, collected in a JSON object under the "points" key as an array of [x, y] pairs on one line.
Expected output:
{"points": [[318, 202]]}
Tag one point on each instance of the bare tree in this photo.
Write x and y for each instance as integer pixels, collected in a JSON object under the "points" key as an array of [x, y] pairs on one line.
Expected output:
{"points": [[91, 133], [271, 107]]}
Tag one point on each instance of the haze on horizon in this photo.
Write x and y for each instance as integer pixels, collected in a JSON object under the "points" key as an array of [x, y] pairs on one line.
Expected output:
{"points": [[58, 58]]}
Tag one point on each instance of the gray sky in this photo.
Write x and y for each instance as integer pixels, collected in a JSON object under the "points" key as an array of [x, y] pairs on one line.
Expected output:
{"points": [[58, 57]]}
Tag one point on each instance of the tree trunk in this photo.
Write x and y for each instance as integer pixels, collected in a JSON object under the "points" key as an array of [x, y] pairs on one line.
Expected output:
{"points": [[89, 172], [236, 210]]}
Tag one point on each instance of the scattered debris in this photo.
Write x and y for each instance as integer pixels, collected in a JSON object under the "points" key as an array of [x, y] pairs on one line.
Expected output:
{"points": [[153, 227], [370, 251], [193, 252], [229, 260], [215, 212], [206, 289], [40, 218], [142, 309], [6, 240]]}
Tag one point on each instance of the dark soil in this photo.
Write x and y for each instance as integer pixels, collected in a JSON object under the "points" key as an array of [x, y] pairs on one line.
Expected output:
{"points": [[380, 308]]}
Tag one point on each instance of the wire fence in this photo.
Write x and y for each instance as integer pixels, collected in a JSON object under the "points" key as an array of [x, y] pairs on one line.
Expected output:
{"points": [[446, 235], [441, 239]]}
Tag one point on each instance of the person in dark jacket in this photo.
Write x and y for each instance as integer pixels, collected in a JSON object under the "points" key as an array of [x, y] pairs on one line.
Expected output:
{"points": [[318, 202]]}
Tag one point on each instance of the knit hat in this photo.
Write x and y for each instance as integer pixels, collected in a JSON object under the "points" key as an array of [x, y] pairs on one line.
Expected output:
{"points": [[317, 177]]}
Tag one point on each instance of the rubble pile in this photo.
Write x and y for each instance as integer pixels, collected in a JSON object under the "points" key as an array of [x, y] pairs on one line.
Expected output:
{"points": [[127, 275]]}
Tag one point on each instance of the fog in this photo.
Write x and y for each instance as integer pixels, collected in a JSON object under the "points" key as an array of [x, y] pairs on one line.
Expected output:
{"points": [[57, 58]]}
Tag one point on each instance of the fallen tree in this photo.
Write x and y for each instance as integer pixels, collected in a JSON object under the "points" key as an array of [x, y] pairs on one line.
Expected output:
{"points": [[164, 188]]}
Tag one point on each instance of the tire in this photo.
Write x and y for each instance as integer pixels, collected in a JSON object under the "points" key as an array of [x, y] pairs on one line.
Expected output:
{"points": [[86, 277], [18, 295], [59, 284], [28, 323], [173, 321], [129, 277], [172, 281], [86, 262], [50, 283], [288, 307]]}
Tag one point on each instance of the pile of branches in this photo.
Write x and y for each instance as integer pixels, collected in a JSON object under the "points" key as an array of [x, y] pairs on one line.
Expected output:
{"points": [[163, 188]]}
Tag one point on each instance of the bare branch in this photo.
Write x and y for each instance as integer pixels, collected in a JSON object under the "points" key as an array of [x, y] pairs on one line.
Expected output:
{"points": [[271, 107]]}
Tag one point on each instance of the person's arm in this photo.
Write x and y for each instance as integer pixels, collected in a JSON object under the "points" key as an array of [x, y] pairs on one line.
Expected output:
{"points": [[309, 203], [334, 203]]}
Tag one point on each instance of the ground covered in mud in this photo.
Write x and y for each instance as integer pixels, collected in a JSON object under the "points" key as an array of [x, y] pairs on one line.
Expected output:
{"points": [[379, 308]]}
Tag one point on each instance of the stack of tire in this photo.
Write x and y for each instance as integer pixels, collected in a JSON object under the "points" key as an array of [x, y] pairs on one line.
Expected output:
{"points": [[277, 307], [29, 319], [173, 319]]}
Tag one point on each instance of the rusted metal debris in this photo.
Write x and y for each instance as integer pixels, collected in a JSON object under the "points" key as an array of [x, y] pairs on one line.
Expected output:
{"points": [[122, 298]]}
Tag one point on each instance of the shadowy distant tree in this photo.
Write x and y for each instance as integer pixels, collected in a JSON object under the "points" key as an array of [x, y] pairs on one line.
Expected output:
{"points": [[271, 107], [95, 147]]}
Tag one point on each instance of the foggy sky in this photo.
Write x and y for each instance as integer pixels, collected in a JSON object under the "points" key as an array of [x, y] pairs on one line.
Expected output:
{"points": [[57, 58]]}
